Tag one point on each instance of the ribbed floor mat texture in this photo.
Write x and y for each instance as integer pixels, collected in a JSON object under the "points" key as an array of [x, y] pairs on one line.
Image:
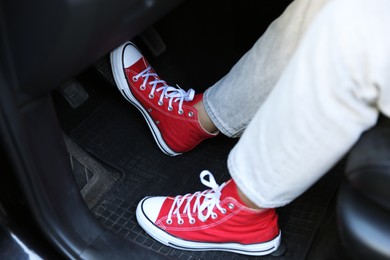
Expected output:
{"points": [[117, 135]]}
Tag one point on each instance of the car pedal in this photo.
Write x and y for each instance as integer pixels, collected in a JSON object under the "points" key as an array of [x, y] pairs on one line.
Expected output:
{"points": [[74, 93], [153, 41]]}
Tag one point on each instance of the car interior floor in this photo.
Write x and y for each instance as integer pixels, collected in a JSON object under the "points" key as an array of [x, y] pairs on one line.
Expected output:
{"points": [[116, 161]]}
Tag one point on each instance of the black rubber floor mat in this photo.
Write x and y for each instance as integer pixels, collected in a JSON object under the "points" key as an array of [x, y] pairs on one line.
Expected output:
{"points": [[92, 177], [117, 134]]}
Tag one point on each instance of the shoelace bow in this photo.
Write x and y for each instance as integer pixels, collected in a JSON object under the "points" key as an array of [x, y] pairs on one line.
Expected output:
{"points": [[211, 200], [172, 93]]}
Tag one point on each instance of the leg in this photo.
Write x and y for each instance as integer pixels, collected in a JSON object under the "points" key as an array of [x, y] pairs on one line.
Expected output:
{"points": [[232, 102], [327, 96], [160, 103]]}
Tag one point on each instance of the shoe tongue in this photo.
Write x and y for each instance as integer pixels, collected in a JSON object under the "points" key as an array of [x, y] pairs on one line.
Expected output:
{"points": [[196, 99], [230, 190], [141, 65]]}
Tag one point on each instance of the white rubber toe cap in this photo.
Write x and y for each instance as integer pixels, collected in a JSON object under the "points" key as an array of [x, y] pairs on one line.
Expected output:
{"points": [[130, 55], [151, 207]]}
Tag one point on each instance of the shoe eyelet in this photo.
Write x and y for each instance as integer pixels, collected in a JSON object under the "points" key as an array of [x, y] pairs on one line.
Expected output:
{"points": [[224, 211], [231, 206], [135, 79], [181, 111], [157, 122], [180, 222], [192, 221], [170, 108], [190, 114], [142, 87], [151, 96], [149, 110], [160, 103], [214, 215], [169, 221]]}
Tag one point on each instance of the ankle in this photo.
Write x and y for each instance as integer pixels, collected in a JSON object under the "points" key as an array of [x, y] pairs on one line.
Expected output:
{"points": [[246, 201], [204, 119]]}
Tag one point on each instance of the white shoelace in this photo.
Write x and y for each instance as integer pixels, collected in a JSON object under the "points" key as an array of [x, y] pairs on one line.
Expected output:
{"points": [[172, 93], [211, 200]]}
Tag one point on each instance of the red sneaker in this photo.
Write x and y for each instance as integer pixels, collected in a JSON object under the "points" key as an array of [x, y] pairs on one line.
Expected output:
{"points": [[215, 219], [169, 111]]}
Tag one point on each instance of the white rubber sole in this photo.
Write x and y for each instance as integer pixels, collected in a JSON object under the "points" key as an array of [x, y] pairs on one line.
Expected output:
{"points": [[172, 241], [116, 58]]}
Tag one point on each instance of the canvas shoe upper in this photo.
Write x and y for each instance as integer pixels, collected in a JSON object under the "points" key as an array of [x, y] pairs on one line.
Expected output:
{"points": [[169, 111], [215, 219]]}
